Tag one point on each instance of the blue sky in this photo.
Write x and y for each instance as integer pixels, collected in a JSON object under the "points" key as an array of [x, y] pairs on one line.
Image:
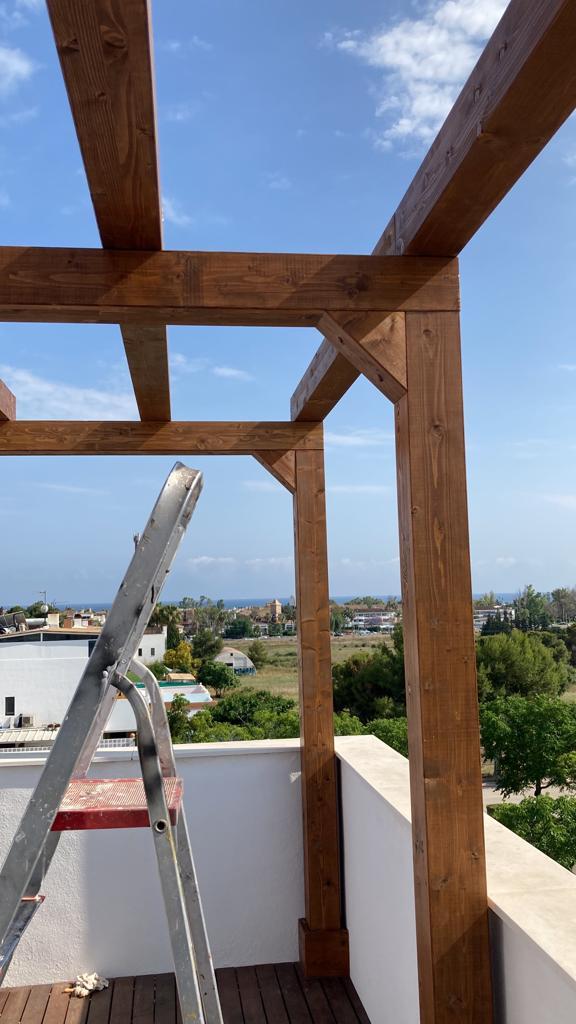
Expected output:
{"points": [[290, 127]]}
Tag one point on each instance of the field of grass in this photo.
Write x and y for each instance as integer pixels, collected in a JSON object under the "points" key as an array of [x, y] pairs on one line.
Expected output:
{"points": [[280, 674]]}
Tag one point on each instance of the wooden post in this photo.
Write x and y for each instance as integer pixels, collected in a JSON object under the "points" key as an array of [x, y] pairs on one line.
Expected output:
{"points": [[323, 941], [444, 743]]}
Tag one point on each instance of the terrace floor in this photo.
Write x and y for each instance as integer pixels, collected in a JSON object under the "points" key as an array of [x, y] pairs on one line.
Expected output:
{"points": [[269, 994]]}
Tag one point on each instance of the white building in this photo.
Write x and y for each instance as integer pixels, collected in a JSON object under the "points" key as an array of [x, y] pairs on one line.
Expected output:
{"points": [[40, 669], [239, 662]]}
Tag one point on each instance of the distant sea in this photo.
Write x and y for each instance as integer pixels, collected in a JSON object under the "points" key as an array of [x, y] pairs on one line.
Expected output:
{"points": [[259, 602]]}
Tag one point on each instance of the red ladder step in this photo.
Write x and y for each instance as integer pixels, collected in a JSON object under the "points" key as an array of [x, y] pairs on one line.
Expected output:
{"points": [[111, 803]]}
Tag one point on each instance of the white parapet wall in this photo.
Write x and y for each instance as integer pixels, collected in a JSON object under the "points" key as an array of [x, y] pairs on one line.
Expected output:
{"points": [[103, 909], [532, 900]]}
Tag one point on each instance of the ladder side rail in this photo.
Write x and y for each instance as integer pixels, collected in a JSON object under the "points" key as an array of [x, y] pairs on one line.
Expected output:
{"points": [[159, 717], [115, 648], [166, 853], [194, 909], [179, 508]]}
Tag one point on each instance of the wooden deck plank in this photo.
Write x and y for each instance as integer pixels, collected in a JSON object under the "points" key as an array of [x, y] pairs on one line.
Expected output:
{"points": [[143, 1007], [15, 1005], [316, 998], [250, 997], [57, 1007], [165, 1003], [229, 996], [99, 1008], [356, 1001], [265, 994], [338, 1000], [36, 1005], [271, 995], [292, 994], [78, 1009], [122, 1001]]}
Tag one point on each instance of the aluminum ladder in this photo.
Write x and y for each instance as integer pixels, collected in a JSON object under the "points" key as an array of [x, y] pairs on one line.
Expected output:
{"points": [[65, 799]]}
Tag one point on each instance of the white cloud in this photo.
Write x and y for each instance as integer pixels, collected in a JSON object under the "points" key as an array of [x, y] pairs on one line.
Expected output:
{"points": [[71, 489], [424, 60], [179, 113], [18, 116], [569, 367], [39, 398], [358, 489], [231, 373], [15, 68], [279, 182], [563, 500], [203, 561], [273, 562], [358, 438], [179, 363], [180, 45], [174, 214], [263, 486], [506, 561]]}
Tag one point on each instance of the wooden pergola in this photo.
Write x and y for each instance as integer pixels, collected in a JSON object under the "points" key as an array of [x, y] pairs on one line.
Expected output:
{"points": [[392, 316]]}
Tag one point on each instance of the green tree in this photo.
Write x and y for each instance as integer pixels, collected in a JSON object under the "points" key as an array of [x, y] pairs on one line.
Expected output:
{"points": [[206, 646], [547, 823], [239, 628], [173, 636], [393, 731], [518, 663], [337, 618], [258, 654], [532, 741], [532, 609], [159, 669], [497, 623], [370, 686], [164, 615], [563, 604], [217, 677], [180, 658], [37, 610], [241, 707], [488, 600], [179, 720], [346, 724]]}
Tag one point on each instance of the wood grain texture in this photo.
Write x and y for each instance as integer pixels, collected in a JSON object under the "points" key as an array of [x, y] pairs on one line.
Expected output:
{"points": [[105, 50], [147, 355], [130, 437], [442, 703], [7, 403], [87, 285], [326, 380], [520, 92], [501, 121], [281, 465], [319, 796], [376, 347]]}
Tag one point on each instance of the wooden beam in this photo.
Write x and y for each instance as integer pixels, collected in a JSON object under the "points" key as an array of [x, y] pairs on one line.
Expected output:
{"points": [[323, 941], [441, 693], [281, 465], [376, 347], [520, 92], [97, 437], [105, 51], [95, 285], [7, 403]]}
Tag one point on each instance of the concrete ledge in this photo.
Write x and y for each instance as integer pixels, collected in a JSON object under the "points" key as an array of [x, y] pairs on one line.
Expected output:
{"points": [[530, 894]]}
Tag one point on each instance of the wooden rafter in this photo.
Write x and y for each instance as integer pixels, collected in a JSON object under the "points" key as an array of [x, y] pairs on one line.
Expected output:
{"points": [[105, 51], [375, 346], [7, 403], [127, 437], [281, 465], [520, 92], [96, 285]]}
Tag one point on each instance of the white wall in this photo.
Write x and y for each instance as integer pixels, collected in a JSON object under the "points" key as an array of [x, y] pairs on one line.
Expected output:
{"points": [[43, 675], [532, 899], [103, 909]]}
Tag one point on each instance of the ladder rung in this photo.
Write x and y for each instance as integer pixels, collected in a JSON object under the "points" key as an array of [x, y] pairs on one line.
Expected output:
{"points": [[111, 803]]}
